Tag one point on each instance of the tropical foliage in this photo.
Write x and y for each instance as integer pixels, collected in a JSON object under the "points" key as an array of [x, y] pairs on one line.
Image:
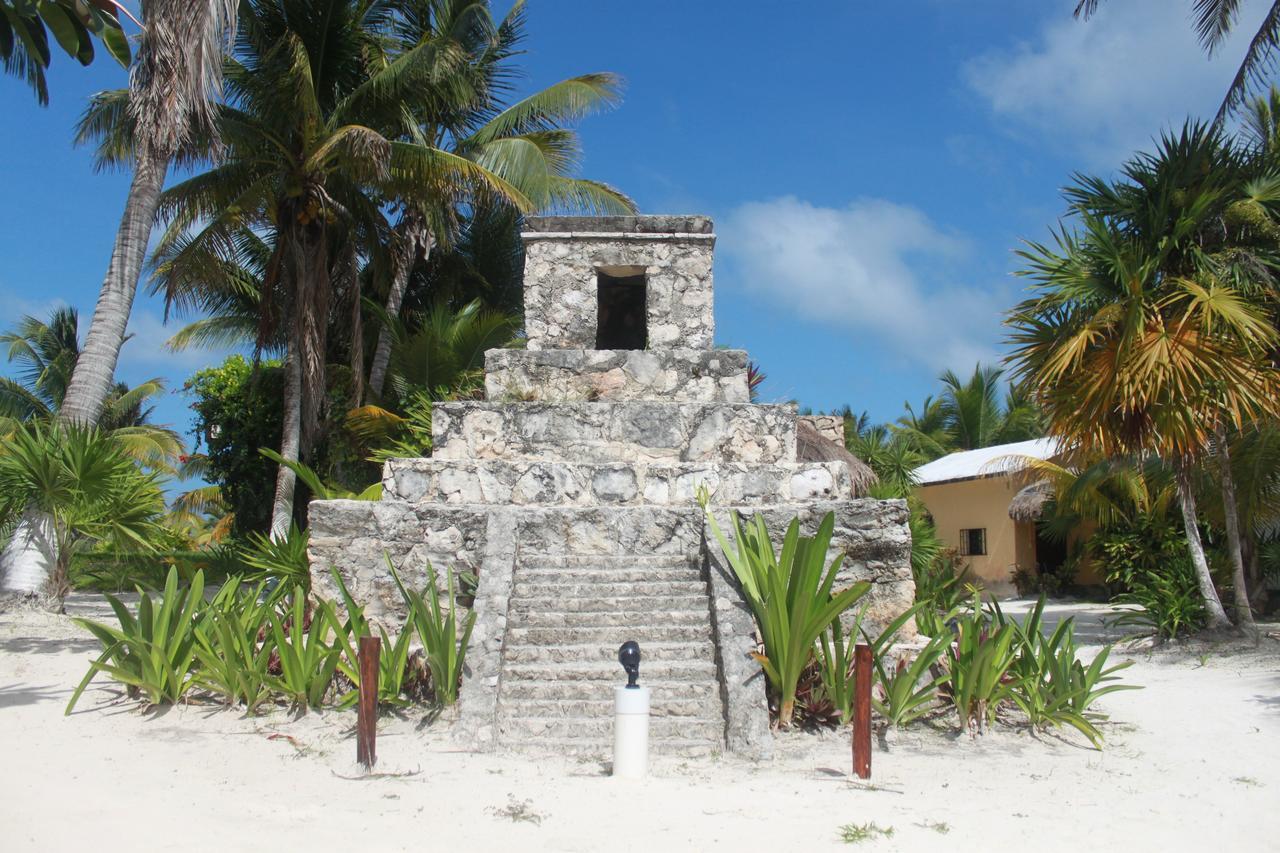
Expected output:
{"points": [[29, 28]]}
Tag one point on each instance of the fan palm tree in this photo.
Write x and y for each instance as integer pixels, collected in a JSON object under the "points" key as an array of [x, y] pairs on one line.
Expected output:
{"points": [[174, 78], [1214, 20], [1143, 337]]}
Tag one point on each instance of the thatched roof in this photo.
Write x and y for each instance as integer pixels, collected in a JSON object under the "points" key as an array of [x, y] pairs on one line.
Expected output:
{"points": [[1028, 503], [812, 446]]}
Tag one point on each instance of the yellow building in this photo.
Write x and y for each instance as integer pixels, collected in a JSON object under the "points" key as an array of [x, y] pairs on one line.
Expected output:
{"points": [[969, 496]]}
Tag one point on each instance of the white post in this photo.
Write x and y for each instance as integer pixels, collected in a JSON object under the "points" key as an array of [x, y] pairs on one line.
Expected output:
{"points": [[631, 732]]}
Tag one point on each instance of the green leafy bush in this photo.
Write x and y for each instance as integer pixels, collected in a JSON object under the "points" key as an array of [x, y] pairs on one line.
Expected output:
{"points": [[306, 658], [1170, 601], [233, 644], [152, 652], [789, 593], [437, 628], [979, 669], [283, 560], [1053, 686], [237, 410]]}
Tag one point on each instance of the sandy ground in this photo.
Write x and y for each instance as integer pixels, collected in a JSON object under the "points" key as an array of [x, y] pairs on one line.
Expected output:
{"points": [[1192, 763]]}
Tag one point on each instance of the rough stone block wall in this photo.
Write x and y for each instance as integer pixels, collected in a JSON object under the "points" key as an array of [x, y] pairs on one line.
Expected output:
{"points": [[560, 295], [576, 376]]}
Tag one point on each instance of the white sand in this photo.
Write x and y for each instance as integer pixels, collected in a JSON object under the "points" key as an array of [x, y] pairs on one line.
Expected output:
{"points": [[1192, 762]]}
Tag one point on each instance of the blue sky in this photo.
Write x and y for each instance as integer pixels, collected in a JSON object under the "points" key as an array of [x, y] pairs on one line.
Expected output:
{"points": [[870, 167]]}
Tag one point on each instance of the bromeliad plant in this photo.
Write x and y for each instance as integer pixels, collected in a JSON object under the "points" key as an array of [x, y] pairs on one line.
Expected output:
{"points": [[789, 593], [153, 652], [307, 659]]}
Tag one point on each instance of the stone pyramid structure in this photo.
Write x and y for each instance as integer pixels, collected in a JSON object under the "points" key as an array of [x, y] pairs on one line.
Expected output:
{"points": [[570, 493]]}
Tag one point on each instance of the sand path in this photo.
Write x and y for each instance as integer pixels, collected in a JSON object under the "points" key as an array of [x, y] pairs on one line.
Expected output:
{"points": [[1192, 762]]}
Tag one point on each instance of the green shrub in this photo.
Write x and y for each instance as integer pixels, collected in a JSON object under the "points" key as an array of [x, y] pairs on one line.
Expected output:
{"points": [[1170, 601], [437, 628], [151, 652], [940, 592], [789, 593], [907, 692]]}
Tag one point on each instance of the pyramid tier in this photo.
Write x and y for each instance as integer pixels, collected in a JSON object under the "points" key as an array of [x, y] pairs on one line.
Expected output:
{"points": [[525, 481], [625, 432], [576, 375]]}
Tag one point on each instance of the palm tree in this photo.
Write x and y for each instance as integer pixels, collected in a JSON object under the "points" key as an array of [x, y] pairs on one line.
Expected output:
{"points": [[25, 28], [969, 414], [1142, 339], [524, 142], [324, 130], [171, 83], [1214, 21]]}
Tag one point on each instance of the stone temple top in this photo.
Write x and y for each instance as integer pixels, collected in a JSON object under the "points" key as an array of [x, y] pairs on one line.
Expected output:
{"points": [[619, 282]]}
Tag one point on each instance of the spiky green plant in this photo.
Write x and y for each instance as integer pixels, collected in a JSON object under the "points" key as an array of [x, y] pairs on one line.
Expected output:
{"points": [[233, 661], [393, 662], [153, 651], [284, 560], [307, 659], [437, 628], [789, 593], [980, 665]]}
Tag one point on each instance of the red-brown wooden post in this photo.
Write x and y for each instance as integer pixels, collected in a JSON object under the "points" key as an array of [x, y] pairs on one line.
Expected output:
{"points": [[367, 710], [862, 711]]}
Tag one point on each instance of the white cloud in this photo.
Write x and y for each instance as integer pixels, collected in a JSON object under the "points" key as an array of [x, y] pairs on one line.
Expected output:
{"points": [[874, 268], [1104, 88], [144, 351]]}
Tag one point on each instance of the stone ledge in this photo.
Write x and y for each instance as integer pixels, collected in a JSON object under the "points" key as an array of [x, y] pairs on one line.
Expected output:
{"points": [[622, 432], [583, 375], [530, 482], [593, 225]]}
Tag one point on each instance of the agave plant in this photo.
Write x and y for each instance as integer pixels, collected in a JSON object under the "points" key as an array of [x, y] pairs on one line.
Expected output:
{"points": [[152, 652], [789, 593]]}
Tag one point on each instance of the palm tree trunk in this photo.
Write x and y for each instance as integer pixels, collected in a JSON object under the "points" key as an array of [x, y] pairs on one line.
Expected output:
{"points": [[416, 244], [1217, 617], [94, 373], [1230, 509], [31, 555], [290, 446]]}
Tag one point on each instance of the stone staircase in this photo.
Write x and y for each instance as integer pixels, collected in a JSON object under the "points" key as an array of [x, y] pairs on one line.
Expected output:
{"points": [[567, 617]]}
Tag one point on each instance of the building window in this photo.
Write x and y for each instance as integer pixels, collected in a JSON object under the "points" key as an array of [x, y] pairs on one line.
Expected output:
{"points": [[973, 542], [621, 311]]}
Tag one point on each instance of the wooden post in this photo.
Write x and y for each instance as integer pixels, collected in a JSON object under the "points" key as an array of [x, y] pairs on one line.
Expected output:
{"points": [[367, 710], [862, 711]]}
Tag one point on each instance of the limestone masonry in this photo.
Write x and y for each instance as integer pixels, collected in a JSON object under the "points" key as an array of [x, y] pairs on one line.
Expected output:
{"points": [[570, 493]]}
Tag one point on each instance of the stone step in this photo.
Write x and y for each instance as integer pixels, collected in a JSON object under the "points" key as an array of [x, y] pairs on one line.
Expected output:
{"points": [[601, 728], [608, 575], [610, 672], [589, 652], [607, 562], [611, 637], [523, 482], [571, 588], [602, 749], [610, 603], [706, 708], [556, 617], [619, 432], [519, 690]]}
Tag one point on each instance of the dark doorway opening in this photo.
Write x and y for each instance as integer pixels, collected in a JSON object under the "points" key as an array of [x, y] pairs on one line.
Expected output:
{"points": [[622, 312], [1050, 553]]}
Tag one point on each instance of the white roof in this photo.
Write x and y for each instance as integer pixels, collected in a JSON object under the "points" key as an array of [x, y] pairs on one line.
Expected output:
{"points": [[984, 462]]}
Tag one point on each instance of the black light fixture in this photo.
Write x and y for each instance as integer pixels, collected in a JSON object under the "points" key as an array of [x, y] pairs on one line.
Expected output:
{"points": [[629, 657]]}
